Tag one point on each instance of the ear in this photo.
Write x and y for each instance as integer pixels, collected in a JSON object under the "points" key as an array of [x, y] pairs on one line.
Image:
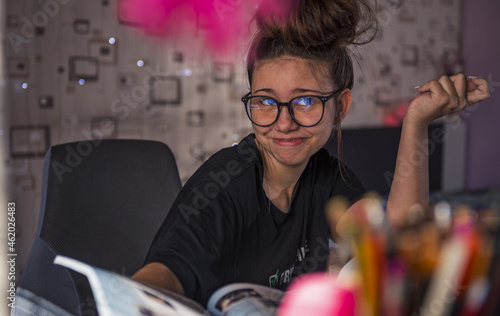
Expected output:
{"points": [[344, 101]]}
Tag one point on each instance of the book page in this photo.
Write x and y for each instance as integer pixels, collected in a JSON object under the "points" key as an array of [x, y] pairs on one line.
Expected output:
{"points": [[119, 295], [245, 299]]}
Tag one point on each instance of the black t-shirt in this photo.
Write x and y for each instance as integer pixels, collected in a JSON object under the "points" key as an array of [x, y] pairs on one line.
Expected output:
{"points": [[222, 228]]}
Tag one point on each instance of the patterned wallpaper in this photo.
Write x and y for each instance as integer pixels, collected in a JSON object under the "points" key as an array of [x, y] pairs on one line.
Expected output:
{"points": [[76, 70]]}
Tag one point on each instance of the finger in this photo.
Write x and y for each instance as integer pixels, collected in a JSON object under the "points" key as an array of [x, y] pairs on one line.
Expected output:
{"points": [[477, 90], [461, 86], [453, 103], [431, 100], [433, 91], [434, 88], [443, 92]]}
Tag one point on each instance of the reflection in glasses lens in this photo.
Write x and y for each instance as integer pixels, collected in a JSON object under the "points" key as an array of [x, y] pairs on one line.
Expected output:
{"points": [[304, 110]]}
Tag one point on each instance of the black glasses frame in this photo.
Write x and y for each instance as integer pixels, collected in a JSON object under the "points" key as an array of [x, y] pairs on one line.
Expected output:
{"points": [[288, 104]]}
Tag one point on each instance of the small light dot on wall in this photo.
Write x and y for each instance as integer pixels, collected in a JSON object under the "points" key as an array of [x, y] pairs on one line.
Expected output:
{"points": [[179, 73], [24, 86], [188, 72], [81, 82], [140, 63], [236, 137], [234, 144], [112, 40]]}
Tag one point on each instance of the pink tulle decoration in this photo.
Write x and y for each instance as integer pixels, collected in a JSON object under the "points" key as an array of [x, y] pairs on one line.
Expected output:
{"points": [[222, 23], [319, 295]]}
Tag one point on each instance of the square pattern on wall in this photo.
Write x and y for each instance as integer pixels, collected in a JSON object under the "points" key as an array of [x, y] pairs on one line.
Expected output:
{"points": [[165, 90], [29, 141], [83, 67]]}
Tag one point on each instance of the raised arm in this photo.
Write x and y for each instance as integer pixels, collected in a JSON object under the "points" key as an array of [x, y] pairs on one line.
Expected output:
{"points": [[436, 99]]}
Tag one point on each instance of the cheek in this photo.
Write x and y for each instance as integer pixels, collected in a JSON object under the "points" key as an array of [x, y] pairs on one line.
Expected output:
{"points": [[326, 126], [329, 116], [260, 130], [324, 133], [260, 133]]}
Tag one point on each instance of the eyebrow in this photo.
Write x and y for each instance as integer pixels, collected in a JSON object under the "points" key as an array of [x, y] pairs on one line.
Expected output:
{"points": [[298, 90]]}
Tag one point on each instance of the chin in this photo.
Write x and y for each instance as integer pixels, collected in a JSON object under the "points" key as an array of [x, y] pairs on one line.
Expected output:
{"points": [[292, 160]]}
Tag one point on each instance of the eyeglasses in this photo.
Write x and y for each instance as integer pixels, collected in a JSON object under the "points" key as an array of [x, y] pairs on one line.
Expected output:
{"points": [[305, 110]]}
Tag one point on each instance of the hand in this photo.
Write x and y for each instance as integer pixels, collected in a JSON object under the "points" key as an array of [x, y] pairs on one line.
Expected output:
{"points": [[477, 90], [446, 95]]}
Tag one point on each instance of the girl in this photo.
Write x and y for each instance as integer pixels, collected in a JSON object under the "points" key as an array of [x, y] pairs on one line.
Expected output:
{"points": [[256, 212]]}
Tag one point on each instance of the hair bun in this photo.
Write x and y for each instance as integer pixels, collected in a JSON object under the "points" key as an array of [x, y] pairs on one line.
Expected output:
{"points": [[313, 23]]}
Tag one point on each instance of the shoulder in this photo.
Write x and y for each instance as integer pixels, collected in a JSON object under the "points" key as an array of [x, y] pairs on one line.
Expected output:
{"points": [[324, 165], [227, 166], [333, 173], [220, 183], [245, 153]]}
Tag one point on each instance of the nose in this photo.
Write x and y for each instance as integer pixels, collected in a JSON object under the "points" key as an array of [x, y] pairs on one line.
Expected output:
{"points": [[285, 121]]}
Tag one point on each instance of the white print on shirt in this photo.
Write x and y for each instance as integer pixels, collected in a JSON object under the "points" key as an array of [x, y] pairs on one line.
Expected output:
{"points": [[286, 276], [301, 252]]}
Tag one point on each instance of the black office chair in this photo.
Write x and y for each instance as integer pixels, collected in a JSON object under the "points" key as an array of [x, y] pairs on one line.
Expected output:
{"points": [[102, 203]]}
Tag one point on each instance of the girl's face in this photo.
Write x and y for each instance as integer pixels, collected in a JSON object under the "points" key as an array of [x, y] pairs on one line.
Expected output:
{"points": [[285, 142]]}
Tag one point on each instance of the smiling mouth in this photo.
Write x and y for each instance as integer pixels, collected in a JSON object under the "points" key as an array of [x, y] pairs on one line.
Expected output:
{"points": [[288, 141]]}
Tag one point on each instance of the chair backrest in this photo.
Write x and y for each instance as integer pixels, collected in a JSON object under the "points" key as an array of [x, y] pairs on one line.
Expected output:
{"points": [[102, 203]]}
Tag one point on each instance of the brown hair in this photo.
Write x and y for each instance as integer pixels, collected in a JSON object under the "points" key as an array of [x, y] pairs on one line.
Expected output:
{"points": [[319, 31]]}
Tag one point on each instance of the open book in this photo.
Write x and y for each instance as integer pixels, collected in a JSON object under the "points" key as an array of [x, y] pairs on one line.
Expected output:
{"points": [[116, 294]]}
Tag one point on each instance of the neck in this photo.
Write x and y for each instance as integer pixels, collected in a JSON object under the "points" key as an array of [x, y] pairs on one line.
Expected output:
{"points": [[279, 181], [279, 192]]}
